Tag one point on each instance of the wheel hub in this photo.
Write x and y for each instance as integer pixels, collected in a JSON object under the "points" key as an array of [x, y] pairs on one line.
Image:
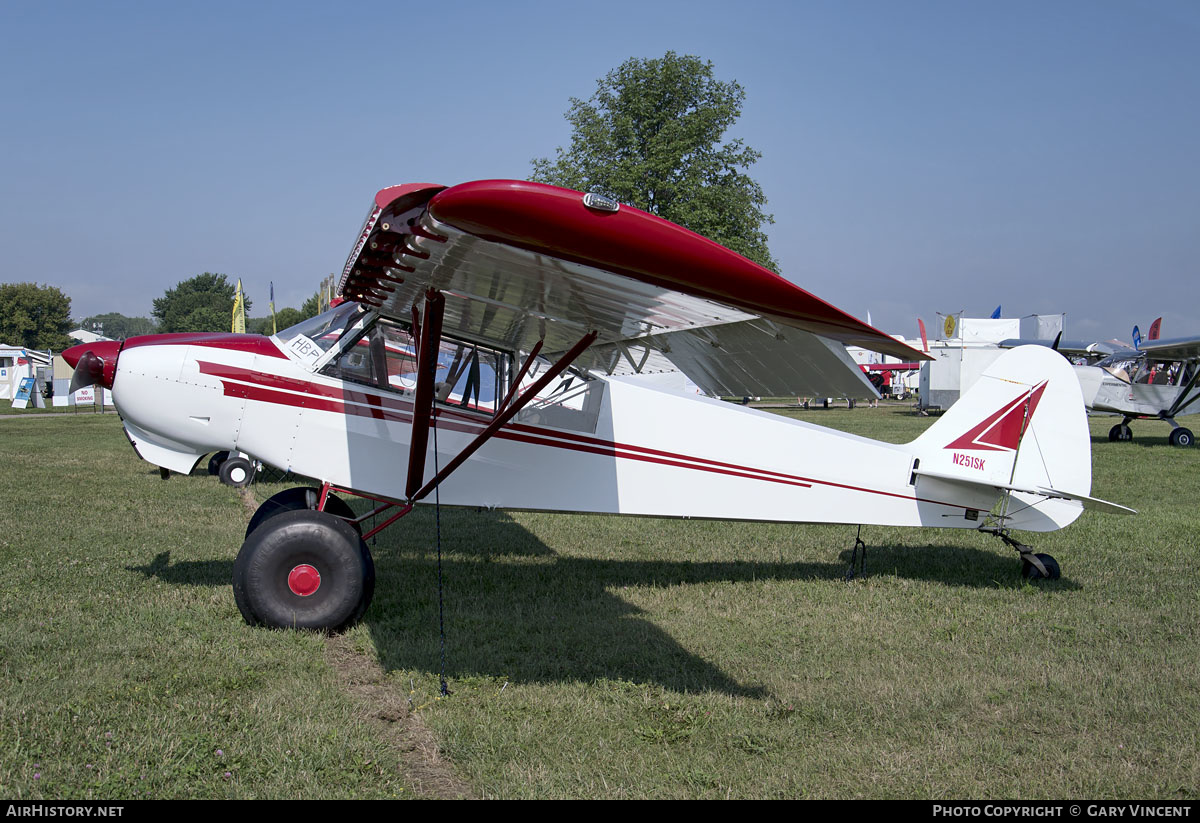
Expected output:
{"points": [[304, 580]]}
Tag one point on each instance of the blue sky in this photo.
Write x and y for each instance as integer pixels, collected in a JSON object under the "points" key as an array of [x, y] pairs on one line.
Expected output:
{"points": [[918, 156]]}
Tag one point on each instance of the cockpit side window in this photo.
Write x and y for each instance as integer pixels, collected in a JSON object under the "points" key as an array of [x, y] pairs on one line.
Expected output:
{"points": [[570, 401], [359, 361], [469, 376]]}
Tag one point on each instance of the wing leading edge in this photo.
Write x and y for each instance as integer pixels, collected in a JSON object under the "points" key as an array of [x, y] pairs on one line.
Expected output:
{"points": [[520, 262]]}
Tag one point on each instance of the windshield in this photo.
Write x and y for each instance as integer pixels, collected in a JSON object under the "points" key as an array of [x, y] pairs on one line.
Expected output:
{"points": [[311, 338], [1121, 360]]}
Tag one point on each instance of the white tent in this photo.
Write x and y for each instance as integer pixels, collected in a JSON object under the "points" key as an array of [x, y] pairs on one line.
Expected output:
{"points": [[17, 363]]}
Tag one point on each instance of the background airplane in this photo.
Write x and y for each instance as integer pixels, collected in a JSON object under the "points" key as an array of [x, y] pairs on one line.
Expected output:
{"points": [[1079, 352], [1159, 380], [1155, 379]]}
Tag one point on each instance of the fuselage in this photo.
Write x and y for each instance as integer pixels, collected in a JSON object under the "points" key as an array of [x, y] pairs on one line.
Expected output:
{"points": [[1117, 392], [615, 446]]}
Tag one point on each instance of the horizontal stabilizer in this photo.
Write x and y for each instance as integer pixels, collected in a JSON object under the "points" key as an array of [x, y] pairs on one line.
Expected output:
{"points": [[1094, 503]]}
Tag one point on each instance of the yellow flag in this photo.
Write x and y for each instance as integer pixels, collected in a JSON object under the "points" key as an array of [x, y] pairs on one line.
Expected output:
{"points": [[949, 325], [239, 310]]}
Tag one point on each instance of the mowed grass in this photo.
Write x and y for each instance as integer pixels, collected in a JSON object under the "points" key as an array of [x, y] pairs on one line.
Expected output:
{"points": [[125, 668], [600, 656]]}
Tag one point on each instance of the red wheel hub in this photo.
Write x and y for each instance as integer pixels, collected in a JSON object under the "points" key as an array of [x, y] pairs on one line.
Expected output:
{"points": [[304, 580]]}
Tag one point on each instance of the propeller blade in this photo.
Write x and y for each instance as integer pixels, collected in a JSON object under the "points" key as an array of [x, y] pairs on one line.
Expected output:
{"points": [[93, 363], [88, 372]]}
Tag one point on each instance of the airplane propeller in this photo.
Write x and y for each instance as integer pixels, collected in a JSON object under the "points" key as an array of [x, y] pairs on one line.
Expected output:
{"points": [[93, 363], [88, 372]]}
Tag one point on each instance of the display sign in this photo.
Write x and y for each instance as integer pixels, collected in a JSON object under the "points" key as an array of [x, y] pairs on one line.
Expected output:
{"points": [[24, 393]]}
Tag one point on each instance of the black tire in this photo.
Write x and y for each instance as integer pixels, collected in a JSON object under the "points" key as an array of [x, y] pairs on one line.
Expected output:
{"points": [[301, 497], [1182, 437], [236, 472], [1120, 433], [214, 462], [303, 570], [1031, 572]]}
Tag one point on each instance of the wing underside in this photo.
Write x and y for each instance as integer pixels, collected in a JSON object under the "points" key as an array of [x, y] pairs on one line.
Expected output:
{"points": [[511, 290], [1180, 348], [751, 357]]}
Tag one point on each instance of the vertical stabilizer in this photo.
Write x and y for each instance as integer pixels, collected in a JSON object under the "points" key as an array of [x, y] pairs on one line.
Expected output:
{"points": [[1023, 426]]}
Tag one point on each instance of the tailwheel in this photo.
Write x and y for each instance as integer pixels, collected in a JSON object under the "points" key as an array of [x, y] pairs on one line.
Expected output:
{"points": [[1033, 566], [297, 499], [305, 570], [1039, 567], [236, 472], [1120, 433], [1181, 437]]}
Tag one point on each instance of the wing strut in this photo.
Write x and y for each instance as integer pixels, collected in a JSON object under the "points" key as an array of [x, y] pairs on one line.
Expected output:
{"points": [[507, 413], [520, 375], [430, 343]]}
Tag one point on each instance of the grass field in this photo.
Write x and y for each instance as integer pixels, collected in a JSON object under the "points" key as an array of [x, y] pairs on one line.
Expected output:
{"points": [[595, 656]]}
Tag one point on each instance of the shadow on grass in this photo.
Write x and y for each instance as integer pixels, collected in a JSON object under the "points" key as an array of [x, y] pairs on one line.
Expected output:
{"points": [[951, 565], [1140, 439], [542, 623], [517, 609], [187, 573]]}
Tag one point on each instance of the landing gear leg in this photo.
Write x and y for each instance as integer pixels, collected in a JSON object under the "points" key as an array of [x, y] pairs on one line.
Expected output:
{"points": [[1033, 566], [862, 564]]}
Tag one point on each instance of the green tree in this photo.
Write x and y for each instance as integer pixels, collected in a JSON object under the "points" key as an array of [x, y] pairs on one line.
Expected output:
{"points": [[117, 326], [203, 303], [33, 316], [651, 136], [310, 308], [288, 316], [285, 317]]}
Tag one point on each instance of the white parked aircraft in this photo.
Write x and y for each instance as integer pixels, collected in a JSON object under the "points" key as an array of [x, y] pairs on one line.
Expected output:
{"points": [[1159, 380], [486, 350]]}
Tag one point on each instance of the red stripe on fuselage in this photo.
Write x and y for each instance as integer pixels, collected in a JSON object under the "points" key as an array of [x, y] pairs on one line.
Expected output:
{"points": [[276, 381], [272, 388], [263, 387], [251, 343], [266, 395]]}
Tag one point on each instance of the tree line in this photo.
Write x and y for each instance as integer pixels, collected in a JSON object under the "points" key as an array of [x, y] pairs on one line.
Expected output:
{"points": [[39, 316]]}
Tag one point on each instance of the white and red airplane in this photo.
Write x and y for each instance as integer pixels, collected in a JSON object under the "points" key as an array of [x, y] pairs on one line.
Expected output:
{"points": [[495, 344]]}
